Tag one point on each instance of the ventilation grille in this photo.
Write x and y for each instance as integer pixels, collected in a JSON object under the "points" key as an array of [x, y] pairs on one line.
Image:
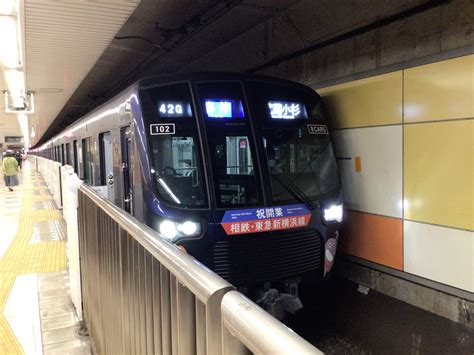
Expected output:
{"points": [[246, 260]]}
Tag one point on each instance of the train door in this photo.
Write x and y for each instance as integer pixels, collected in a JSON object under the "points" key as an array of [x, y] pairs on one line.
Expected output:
{"points": [[106, 164], [87, 160], [127, 176], [76, 158]]}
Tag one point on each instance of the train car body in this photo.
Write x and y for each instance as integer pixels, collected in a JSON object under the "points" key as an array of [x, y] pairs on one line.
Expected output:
{"points": [[238, 170]]}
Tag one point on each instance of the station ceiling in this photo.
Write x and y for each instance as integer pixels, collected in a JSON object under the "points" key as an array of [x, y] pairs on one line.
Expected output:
{"points": [[80, 53]]}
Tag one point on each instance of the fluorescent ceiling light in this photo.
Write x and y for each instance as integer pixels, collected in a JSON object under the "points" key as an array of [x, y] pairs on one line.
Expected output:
{"points": [[23, 122], [15, 82], [8, 7], [9, 49]]}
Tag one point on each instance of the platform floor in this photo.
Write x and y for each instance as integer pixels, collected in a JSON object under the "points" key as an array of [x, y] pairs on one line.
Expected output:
{"points": [[36, 311]]}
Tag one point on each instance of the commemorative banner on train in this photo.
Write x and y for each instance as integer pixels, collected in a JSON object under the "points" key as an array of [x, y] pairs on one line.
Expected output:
{"points": [[257, 220]]}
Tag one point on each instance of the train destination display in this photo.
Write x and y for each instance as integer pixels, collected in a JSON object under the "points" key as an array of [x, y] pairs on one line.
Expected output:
{"points": [[224, 108], [286, 110]]}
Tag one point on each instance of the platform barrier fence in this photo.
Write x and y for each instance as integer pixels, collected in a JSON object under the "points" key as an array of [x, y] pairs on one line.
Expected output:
{"points": [[51, 172], [142, 294]]}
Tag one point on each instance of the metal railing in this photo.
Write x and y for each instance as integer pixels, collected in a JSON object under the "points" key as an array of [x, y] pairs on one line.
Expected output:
{"points": [[51, 172], [142, 294]]}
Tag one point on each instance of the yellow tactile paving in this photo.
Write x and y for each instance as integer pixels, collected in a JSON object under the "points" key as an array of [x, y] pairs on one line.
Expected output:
{"points": [[45, 257], [40, 188], [8, 341], [42, 198], [23, 257], [45, 215]]}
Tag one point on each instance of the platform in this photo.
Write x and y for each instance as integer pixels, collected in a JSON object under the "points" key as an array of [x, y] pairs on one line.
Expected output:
{"points": [[36, 312]]}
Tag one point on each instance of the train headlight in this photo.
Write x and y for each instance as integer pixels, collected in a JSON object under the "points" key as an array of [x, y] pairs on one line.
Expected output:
{"points": [[168, 229], [333, 213], [176, 230], [188, 228]]}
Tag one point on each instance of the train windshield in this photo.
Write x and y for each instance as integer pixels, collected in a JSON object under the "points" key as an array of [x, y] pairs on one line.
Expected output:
{"points": [[232, 151], [175, 158], [300, 156]]}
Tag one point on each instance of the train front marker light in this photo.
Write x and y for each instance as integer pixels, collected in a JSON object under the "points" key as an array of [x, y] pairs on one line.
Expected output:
{"points": [[189, 228], [333, 213]]}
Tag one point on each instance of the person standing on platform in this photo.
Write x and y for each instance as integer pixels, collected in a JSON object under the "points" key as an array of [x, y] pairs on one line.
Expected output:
{"points": [[19, 158], [10, 169]]}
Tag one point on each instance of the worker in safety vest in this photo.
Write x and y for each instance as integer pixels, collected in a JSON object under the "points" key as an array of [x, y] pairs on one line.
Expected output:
{"points": [[10, 169]]}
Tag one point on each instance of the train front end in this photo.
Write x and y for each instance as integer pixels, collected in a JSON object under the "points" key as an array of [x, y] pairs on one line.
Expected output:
{"points": [[244, 178]]}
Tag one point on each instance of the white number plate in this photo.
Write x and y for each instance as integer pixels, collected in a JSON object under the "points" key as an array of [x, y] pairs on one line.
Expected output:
{"points": [[318, 129], [162, 128]]}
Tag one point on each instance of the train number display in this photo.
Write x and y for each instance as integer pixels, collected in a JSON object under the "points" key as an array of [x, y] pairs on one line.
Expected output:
{"points": [[162, 128], [174, 109]]}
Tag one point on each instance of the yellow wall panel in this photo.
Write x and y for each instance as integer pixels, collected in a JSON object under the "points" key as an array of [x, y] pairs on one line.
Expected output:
{"points": [[438, 173], [440, 91], [367, 102]]}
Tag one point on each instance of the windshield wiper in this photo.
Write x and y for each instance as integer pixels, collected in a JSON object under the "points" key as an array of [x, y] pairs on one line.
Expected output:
{"points": [[295, 191]]}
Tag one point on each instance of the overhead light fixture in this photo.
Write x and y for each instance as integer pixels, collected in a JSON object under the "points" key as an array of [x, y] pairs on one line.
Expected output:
{"points": [[15, 82], [23, 122], [11, 55], [14, 104], [50, 90], [9, 48], [10, 29], [8, 7]]}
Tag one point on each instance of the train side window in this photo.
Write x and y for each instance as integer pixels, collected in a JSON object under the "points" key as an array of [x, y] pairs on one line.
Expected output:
{"points": [[106, 163], [105, 154], [63, 155], [76, 163], [87, 160], [68, 157]]}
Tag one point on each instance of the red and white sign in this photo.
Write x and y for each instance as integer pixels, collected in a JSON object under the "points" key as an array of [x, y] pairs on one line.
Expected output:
{"points": [[265, 219]]}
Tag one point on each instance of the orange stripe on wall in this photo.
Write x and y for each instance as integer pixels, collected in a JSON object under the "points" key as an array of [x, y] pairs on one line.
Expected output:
{"points": [[375, 238]]}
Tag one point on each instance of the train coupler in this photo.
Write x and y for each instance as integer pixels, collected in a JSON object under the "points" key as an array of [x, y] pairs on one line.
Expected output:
{"points": [[279, 304]]}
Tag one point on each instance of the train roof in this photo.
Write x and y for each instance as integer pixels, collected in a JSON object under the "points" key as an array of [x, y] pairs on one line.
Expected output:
{"points": [[156, 80], [205, 76]]}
